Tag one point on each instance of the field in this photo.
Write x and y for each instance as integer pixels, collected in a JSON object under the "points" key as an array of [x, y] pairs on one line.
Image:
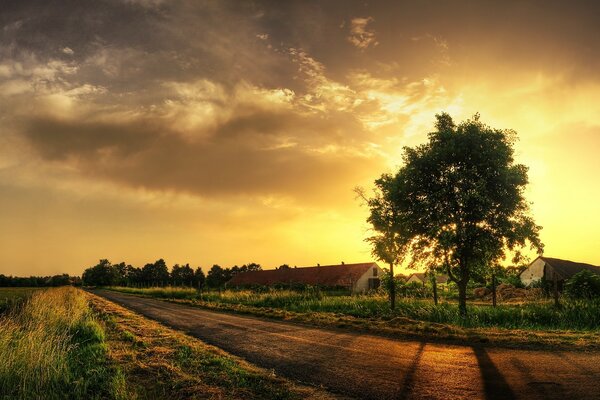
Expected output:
{"points": [[583, 315], [64, 343], [10, 296]]}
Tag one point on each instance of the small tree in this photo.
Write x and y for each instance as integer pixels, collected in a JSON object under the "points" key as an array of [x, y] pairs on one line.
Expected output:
{"points": [[389, 243], [583, 285]]}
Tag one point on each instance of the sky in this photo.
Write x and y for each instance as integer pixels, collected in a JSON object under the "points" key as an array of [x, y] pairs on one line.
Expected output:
{"points": [[228, 132]]}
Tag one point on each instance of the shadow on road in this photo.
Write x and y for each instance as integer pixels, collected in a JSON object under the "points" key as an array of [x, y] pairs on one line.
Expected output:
{"points": [[409, 378], [494, 385]]}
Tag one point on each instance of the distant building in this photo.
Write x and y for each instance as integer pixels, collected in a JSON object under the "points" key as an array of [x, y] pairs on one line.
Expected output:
{"points": [[356, 277], [545, 267], [422, 278]]}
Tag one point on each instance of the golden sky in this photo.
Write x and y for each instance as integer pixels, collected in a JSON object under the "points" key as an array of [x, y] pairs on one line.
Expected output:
{"points": [[232, 132]]}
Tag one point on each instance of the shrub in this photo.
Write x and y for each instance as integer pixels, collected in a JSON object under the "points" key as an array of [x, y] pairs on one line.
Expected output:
{"points": [[583, 285]]}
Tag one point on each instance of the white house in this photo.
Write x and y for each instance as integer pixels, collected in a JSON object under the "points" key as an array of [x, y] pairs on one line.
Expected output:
{"points": [[546, 267]]}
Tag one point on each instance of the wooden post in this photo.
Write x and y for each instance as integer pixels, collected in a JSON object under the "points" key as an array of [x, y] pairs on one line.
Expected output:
{"points": [[555, 287], [493, 289]]}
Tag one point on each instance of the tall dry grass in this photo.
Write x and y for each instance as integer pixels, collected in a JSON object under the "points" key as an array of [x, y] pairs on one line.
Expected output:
{"points": [[51, 347]]}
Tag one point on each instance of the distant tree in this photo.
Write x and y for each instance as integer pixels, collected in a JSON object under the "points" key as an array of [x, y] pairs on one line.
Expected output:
{"points": [[199, 278], [182, 275], [216, 277], [102, 274], [156, 273], [459, 198], [252, 267]]}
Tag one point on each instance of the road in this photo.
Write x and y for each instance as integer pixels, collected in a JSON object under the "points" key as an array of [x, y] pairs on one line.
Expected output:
{"points": [[371, 367]]}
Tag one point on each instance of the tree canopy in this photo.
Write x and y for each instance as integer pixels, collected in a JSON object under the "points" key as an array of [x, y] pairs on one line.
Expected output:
{"points": [[457, 203]]}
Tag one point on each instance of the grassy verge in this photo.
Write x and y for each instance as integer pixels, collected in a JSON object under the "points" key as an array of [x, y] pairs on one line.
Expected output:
{"points": [[52, 347], [158, 362], [530, 324]]}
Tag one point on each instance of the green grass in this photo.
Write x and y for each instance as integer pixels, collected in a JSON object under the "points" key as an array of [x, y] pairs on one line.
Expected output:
{"points": [[52, 347], [9, 296], [580, 315]]}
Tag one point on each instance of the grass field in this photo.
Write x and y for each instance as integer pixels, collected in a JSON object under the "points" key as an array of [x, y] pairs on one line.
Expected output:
{"points": [[12, 296], [53, 347], [573, 315]]}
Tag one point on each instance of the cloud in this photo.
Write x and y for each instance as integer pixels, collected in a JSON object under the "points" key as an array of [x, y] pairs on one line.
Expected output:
{"points": [[360, 35]]}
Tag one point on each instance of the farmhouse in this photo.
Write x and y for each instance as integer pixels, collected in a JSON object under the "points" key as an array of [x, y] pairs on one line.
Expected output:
{"points": [[356, 277], [545, 267], [422, 278]]}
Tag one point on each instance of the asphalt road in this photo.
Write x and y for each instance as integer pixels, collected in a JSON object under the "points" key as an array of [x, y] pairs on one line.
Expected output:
{"points": [[371, 367]]}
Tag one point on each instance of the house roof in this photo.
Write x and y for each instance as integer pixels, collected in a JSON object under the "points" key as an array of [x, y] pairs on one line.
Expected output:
{"points": [[327, 275], [419, 275], [422, 276], [567, 269]]}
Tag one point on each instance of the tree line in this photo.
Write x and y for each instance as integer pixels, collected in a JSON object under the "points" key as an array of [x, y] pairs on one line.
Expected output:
{"points": [[38, 281], [158, 274]]}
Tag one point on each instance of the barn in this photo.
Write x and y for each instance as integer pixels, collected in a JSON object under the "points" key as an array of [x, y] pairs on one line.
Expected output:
{"points": [[356, 277], [546, 267]]}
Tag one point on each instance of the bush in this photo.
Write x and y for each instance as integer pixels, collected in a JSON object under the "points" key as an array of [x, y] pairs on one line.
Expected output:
{"points": [[583, 285]]}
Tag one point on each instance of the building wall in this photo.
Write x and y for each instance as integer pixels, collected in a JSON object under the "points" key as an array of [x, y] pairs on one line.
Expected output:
{"points": [[362, 284], [533, 273]]}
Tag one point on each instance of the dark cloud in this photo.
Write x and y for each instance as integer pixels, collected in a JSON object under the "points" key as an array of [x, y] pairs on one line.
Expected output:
{"points": [[238, 158]]}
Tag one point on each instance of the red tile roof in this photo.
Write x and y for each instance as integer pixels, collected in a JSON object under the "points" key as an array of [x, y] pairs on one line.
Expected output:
{"points": [[327, 275]]}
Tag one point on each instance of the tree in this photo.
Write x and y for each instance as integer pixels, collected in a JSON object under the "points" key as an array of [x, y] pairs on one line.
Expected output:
{"points": [[216, 276], [583, 285], [391, 239], [459, 199], [182, 275], [199, 278], [156, 273], [102, 274]]}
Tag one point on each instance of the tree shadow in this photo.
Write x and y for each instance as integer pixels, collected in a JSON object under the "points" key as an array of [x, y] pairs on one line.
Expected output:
{"points": [[409, 379], [494, 385]]}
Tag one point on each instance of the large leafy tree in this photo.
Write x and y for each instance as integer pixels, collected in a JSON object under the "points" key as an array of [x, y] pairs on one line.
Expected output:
{"points": [[459, 200]]}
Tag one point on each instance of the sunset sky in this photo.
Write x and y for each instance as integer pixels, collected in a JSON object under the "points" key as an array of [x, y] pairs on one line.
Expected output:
{"points": [[231, 132]]}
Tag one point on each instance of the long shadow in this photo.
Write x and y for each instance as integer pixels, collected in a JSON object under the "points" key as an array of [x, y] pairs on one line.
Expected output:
{"points": [[494, 384], [408, 382]]}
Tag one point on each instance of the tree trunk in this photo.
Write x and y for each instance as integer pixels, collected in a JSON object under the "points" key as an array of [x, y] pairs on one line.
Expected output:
{"points": [[462, 298], [555, 288], [493, 289], [434, 284], [392, 288]]}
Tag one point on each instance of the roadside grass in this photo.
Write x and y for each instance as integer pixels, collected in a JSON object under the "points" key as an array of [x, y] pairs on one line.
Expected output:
{"points": [[159, 362], [11, 296], [532, 324], [52, 347], [578, 315]]}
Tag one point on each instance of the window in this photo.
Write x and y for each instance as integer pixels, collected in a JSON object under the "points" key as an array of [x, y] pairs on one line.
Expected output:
{"points": [[374, 271]]}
